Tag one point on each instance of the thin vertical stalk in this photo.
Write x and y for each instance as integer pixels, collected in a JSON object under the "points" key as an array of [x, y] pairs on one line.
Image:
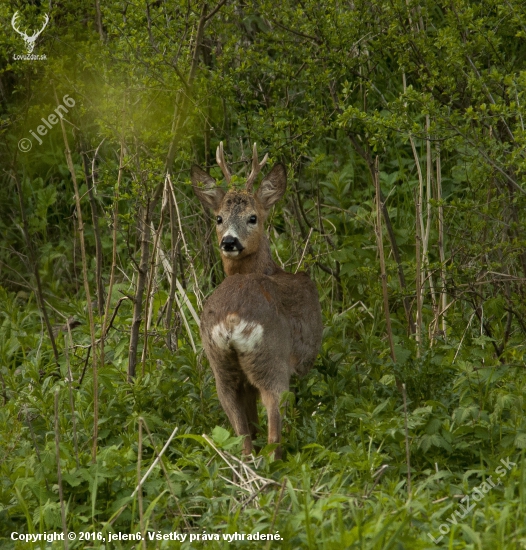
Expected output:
{"points": [[149, 301], [442, 256], [71, 400], [276, 508], [114, 245], [142, 275], [429, 196], [98, 19], [4, 388], [418, 275], [154, 463], [106, 313], [115, 516], [391, 235], [407, 451], [90, 184], [419, 225], [59, 476], [166, 474], [425, 245], [379, 240], [35, 443], [172, 278], [139, 494], [174, 246], [418, 170], [206, 133], [89, 305], [35, 266], [192, 268]]}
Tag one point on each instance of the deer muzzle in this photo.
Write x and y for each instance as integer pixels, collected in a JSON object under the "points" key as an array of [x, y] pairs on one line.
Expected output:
{"points": [[231, 244]]}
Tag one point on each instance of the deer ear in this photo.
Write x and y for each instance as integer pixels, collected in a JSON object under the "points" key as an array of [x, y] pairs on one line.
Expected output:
{"points": [[210, 195], [273, 186]]}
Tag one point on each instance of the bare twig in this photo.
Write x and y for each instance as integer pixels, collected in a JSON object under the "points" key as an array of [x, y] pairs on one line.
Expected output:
{"points": [[378, 476], [143, 479], [249, 480], [463, 335], [304, 250], [154, 463], [181, 233], [166, 475], [59, 476]]}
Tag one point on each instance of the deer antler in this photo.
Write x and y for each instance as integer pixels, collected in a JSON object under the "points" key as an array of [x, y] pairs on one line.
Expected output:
{"points": [[37, 33], [29, 40], [256, 168], [13, 24], [220, 158]]}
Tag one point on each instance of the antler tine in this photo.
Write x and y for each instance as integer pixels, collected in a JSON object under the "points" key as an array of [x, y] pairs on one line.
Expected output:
{"points": [[220, 158], [14, 23], [46, 21], [256, 168]]}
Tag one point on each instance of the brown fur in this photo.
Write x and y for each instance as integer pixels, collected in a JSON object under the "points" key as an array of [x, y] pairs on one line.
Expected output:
{"points": [[261, 324]]}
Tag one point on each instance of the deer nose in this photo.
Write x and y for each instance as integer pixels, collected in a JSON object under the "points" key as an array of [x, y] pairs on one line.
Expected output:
{"points": [[229, 244]]}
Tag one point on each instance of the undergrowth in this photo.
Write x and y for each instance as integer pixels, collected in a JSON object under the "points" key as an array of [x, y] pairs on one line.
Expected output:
{"points": [[343, 482]]}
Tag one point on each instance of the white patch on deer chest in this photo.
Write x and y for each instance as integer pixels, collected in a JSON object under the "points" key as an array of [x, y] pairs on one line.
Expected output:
{"points": [[243, 336]]}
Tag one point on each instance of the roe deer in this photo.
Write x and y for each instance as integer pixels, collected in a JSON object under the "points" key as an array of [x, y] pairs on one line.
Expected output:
{"points": [[261, 324]]}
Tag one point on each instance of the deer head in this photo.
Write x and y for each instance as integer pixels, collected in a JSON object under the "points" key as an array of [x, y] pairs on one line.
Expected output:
{"points": [[240, 215], [29, 40]]}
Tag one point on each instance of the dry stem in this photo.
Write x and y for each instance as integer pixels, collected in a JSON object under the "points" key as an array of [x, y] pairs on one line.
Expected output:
{"points": [[89, 305]]}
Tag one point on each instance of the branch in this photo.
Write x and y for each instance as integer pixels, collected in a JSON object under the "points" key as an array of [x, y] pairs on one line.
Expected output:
{"points": [[214, 11]]}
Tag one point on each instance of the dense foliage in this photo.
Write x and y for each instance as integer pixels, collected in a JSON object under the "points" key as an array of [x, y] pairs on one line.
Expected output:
{"points": [[414, 110]]}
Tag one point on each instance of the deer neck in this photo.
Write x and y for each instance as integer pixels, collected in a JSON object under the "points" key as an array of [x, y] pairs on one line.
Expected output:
{"points": [[259, 262]]}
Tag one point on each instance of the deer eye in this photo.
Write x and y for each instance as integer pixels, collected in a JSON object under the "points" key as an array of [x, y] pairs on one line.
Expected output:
{"points": [[219, 220], [252, 219]]}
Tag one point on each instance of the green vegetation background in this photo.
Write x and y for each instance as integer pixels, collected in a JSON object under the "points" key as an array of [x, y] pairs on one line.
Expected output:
{"points": [[434, 92]]}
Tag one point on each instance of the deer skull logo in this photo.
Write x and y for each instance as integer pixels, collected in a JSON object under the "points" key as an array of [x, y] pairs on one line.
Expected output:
{"points": [[29, 40]]}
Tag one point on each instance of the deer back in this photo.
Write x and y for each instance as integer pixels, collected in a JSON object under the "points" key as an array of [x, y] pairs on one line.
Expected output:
{"points": [[265, 322]]}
